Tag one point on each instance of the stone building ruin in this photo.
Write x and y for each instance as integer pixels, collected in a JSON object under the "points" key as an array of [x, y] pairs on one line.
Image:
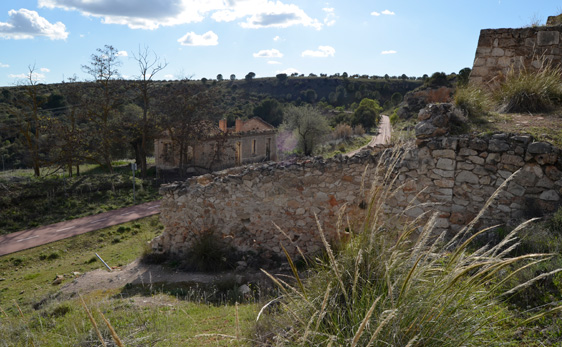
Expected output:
{"points": [[247, 142], [500, 50]]}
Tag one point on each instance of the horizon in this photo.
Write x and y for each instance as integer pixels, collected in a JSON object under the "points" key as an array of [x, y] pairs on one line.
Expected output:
{"points": [[203, 39]]}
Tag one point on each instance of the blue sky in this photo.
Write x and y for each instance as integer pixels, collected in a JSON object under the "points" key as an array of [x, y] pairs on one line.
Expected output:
{"points": [[202, 38]]}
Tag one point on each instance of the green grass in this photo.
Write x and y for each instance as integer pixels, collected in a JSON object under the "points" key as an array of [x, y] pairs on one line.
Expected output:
{"points": [[531, 91], [159, 316], [345, 146], [28, 202]]}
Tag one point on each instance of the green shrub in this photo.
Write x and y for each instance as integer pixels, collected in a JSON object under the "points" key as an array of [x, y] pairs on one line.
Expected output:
{"points": [[209, 254], [473, 101], [531, 91]]}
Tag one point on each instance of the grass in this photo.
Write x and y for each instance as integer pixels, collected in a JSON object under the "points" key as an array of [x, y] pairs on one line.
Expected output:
{"points": [[343, 147], [400, 283], [149, 316], [28, 202], [530, 91]]}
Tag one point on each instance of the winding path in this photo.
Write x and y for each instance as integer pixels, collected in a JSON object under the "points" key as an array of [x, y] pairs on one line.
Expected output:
{"points": [[382, 138], [25, 239]]}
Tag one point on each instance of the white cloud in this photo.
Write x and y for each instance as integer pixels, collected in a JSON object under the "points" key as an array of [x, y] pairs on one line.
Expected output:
{"points": [[26, 24], [192, 39], [289, 71], [385, 12], [25, 76], [122, 54], [265, 14], [276, 38], [268, 53], [330, 18], [169, 77], [44, 69], [322, 52], [4, 65], [389, 52], [273, 62], [148, 14]]}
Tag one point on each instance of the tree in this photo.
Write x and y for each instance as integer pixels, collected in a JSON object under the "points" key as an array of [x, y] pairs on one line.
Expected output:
{"points": [[367, 114], [232, 77], [189, 116], [105, 99], [396, 98], [281, 77], [463, 76], [250, 76], [29, 119], [149, 65], [270, 110], [219, 77], [308, 125]]}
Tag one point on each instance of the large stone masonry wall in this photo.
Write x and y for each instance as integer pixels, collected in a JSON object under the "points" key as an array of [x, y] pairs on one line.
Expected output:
{"points": [[501, 49], [452, 176]]}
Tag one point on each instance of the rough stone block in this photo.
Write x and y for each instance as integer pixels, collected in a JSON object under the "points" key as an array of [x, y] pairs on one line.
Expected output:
{"points": [[468, 177], [547, 38]]}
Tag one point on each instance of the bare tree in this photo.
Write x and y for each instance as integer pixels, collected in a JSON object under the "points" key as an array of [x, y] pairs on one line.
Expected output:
{"points": [[149, 65], [30, 123], [104, 101]]}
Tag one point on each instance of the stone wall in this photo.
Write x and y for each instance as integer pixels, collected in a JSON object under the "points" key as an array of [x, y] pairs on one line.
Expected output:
{"points": [[501, 49], [450, 175]]}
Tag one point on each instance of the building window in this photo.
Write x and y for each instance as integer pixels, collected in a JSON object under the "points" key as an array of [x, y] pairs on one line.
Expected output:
{"points": [[253, 147]]}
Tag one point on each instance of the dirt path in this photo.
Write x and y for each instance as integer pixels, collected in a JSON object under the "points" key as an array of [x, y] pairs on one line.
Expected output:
{"points": [[21, 240], [382, 138]]}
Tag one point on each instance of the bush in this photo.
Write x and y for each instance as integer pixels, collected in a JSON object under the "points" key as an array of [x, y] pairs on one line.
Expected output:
{"points": [[387, 286], [209, 254], [530, 91], [473, 101], [343, 131]]}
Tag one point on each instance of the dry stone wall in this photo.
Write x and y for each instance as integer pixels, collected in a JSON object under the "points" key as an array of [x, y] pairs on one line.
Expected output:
{"points": [[452, 176], [501, 49]]}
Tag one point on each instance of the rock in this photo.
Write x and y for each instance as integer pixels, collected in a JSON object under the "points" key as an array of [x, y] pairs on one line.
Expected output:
{"points": [[468, 177], [498, 146], [550, 195], [58, 280], [539, 148]]}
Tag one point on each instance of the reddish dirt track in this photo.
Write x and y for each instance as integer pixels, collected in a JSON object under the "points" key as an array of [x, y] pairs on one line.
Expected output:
{"points": [[21, 240]]}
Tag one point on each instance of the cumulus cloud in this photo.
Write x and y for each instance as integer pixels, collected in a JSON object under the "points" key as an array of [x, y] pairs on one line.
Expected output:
{"points": [[389, 52], [385, 12], [322, 52], [277, 38], [26, 24], [4, 65], [330, 18], [268, 53], [289, 71], [273, 62], [192, 39], [151, 14], [44, 69], [122, 54]]}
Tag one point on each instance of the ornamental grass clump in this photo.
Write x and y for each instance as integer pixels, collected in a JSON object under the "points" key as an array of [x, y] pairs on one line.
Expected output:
{"points": [[473, 100], [531, 91], [398, 283]]}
